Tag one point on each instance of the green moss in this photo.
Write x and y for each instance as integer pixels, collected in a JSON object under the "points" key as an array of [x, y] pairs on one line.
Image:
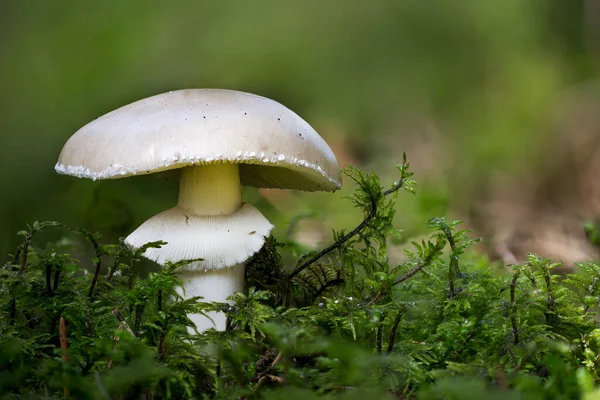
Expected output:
{"points": [[341, 323]]}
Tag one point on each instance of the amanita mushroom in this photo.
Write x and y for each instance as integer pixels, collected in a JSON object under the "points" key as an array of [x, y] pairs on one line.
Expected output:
{"points": [[220, 139]]}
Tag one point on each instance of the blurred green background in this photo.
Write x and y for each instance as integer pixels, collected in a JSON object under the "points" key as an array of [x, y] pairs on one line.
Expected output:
{"points": [[466, 87]]}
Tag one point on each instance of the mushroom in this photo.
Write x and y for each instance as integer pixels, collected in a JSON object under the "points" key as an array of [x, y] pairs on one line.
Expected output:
{"points": [[219, 140]]}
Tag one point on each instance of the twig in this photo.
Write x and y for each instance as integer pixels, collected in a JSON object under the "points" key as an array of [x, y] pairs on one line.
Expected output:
{"points": [[114, 267], [331, 283], [25, 251], [17, 257], [260, 382], [56, 279], [426, 261], [453, 270], [122, 326], [13, 302], [62, 330], [119, 317], [162, 349], [96, 272], [266, 374], [340, 242], [550, 298], [591, 289], [513, 308], [416, 269], [380, 332], [275, 378], [276, 360], [371, 214], [395, 330]]}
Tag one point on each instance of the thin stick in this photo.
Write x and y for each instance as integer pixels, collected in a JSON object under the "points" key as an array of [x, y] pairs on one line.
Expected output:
{"points": [[24, 252], [276, 360], [118, 316], [340, 242], [550, 317], [394, 330], [62, 329], [56, 279], [266, 375], [379, 337], [409, 274], [372, 213], [96, 274], [13, 302], [453, 270], [419, 267], [513, 308]]}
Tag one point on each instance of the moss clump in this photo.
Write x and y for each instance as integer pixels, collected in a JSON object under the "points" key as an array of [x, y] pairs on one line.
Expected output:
{"points": [[341, 323]]}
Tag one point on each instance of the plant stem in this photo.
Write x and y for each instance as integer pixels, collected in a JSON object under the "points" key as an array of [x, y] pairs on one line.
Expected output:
{"points": [[56, 279], [13, 302], [120, 318], [62, 328], [95, 278], [426, 261], [513, 307], [394, 330], [453, 270], [380, 332], [370, 215], [550, 298], [25, 252], [114, 267]]}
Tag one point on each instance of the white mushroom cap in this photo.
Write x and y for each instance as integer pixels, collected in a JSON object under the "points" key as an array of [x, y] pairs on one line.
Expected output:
{"points": [[274, 146]]}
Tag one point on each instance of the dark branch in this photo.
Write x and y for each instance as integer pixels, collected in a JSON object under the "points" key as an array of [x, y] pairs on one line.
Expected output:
{"points": [[56, 279], [329, 284], [453, 270], [96, 272], [395, 330], [550, 298], [426, 261], [380, 332], [513, 308], [13, 302], [25, 252], [340, 242]]}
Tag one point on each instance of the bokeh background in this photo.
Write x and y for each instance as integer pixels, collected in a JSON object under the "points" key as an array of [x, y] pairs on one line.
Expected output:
{"points": [[494, 101]]}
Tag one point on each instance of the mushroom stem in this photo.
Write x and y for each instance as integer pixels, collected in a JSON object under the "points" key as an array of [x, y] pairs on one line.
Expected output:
{"points": [[213, 286], [211, 189]]}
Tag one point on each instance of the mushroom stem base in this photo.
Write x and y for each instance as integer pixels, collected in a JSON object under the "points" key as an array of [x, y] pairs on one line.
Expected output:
{"points": [[212, 286]]}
